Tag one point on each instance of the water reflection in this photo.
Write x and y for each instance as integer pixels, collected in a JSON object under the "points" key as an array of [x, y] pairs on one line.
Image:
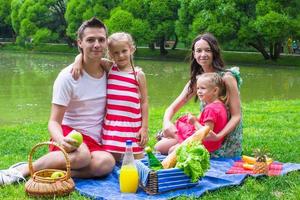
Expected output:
{"points": [[26, 83]]}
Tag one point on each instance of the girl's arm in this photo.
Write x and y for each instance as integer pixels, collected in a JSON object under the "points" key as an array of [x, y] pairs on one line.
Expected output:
{"points": [[106, 64], [143, 133], [194, 121], [211, 136], [78, 66], [234, 104], [169, 128]]}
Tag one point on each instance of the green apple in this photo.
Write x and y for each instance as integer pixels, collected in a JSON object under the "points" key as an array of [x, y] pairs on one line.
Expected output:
{"points": [[77, 137], [56, 175]]}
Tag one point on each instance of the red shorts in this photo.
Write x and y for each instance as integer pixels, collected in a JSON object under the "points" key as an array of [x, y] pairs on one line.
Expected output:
{"points": [[90, 142]]}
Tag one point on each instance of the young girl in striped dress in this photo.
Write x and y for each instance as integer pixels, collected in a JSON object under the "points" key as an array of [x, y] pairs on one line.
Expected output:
{"points": [[127, 105]]}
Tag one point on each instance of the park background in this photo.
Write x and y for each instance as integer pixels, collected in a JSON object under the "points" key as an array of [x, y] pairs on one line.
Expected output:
{"points": [[37, 39]]}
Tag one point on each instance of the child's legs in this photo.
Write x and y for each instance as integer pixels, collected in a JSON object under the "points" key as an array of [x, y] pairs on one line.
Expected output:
{"points": [[165, 144], [139, 156], [173, 148], [118, 156]]}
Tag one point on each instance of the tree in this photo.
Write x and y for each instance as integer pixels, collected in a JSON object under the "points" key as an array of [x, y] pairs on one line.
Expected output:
{"points": [[262, 24], [5, 20], [79, 11], [37, 21], [267, 25], [159, 15], [122, 20]]}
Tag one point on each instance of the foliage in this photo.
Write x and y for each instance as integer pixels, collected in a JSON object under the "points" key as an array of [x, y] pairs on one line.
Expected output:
{"points": [[5, 19], [193, 158], [263, 24], [122, 20], [157, 16], [78, 11], [31, 18]]}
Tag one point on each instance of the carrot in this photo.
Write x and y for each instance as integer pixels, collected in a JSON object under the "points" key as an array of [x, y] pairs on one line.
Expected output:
{"points": [[252, 160], [249, 159], [248, 166]]}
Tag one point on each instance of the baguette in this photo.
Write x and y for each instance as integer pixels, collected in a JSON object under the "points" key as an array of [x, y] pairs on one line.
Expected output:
{"points": [[199, 135]]}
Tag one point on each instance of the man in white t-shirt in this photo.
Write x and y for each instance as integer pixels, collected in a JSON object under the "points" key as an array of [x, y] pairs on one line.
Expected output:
{"points": [[76, 105]]}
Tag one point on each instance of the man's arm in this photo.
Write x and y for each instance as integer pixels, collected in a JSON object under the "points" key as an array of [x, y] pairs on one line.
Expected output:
{"points": [[55, 130]]}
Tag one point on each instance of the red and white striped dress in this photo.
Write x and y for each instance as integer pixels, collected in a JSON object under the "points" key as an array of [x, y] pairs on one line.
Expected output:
{"points": [[123, 117]]}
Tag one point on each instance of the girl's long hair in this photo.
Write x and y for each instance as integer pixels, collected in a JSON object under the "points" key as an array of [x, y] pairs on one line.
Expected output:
{"points": [[217, 61]]}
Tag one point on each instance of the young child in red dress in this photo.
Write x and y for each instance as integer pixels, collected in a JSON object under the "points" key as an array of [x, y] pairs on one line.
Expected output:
{"points": [[212, 93]]}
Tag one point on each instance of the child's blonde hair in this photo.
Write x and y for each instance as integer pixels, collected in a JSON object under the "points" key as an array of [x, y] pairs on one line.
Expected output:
{"points": [[216, 81], [124, 37]]}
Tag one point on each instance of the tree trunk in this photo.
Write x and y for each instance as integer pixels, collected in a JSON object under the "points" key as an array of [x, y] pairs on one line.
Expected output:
{"points": [[271, 48], [60, 10], [151, 46], [260, 47], [163, 51], [277, 50], [176, 41]]}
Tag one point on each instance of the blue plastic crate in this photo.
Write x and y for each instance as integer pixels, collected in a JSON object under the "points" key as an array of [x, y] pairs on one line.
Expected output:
{"points": [[166, 179]]}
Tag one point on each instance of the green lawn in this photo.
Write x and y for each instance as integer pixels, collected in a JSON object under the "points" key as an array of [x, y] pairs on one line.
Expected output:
{"points": [[273, 125]]}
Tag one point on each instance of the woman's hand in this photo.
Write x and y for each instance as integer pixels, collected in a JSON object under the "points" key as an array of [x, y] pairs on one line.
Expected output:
{"points": [[143, 136], [77, 68]]}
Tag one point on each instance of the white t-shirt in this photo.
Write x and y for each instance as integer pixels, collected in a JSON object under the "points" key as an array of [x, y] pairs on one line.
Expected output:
{"points": [[85, 100]]}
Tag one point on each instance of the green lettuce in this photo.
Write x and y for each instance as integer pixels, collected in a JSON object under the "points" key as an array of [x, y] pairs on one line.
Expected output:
{"points": [[193, 159]]}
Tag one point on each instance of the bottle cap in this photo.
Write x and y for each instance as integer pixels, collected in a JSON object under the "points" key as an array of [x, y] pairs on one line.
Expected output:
{"points": [[128, 142]]}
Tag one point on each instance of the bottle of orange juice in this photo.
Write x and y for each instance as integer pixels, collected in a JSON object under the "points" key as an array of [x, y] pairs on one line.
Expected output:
{"points": [[129, 178]]}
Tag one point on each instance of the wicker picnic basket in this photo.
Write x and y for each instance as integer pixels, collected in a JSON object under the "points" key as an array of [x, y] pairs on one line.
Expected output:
{"points": [[152, 184], [42, 185]]}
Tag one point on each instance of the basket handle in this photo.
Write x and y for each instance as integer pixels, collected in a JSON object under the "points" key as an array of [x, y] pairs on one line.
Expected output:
{"points": [[68, 165]]}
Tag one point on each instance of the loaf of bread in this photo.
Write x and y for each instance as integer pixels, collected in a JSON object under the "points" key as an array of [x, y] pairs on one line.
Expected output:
{"points": [[199, 135]]}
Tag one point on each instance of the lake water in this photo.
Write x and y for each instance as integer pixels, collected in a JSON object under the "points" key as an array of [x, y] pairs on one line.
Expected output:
{"points": [[26, 81]]}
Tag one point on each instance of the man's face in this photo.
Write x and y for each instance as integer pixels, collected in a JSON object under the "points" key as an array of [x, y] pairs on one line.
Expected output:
{"points": [[93, 43]]}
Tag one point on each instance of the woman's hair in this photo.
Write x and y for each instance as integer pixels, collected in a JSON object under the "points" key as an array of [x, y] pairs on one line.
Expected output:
{"points": [[217, 61], [124, 37], [215, 80]]}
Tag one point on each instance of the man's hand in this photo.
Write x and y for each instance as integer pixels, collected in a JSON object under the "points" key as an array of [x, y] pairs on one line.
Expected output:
{"points": [[69, 144]]}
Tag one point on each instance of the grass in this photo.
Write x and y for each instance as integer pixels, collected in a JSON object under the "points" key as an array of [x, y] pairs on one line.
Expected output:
{"points": [[230, 57], [273, 125]]}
